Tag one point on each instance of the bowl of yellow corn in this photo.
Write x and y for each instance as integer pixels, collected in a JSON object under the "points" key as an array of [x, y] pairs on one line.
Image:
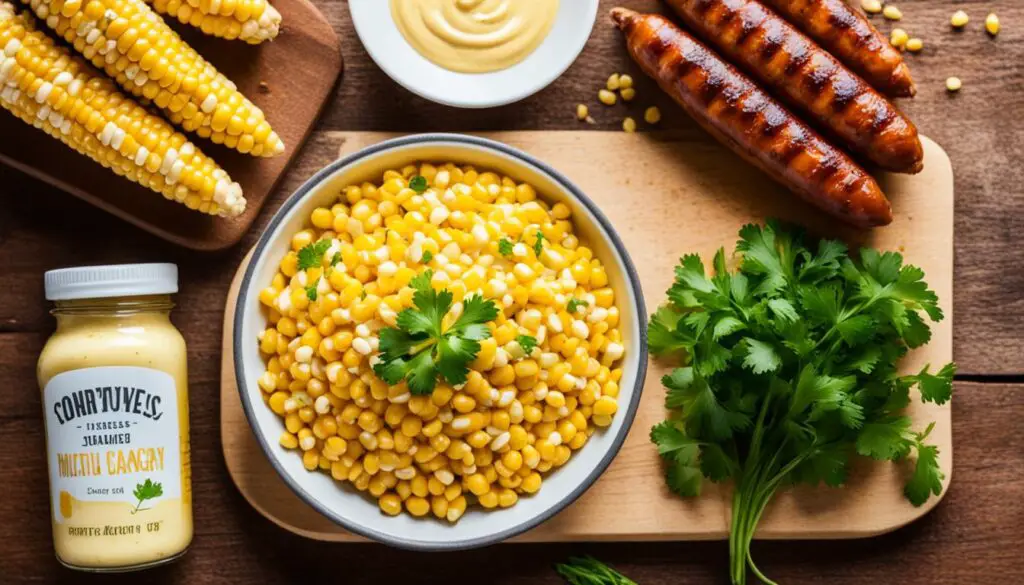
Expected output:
{"points": [[439, 342]]}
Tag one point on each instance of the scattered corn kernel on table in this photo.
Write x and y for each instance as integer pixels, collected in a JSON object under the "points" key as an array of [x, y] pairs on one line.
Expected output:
{"points": [[971, 537]]}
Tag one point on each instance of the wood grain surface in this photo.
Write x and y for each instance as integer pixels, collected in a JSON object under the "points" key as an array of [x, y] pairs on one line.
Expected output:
{"points": [[695, 199], [972, 537], [291, 80]]}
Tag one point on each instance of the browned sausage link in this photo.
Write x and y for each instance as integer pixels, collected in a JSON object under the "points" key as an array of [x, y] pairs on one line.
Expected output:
{"points": [[808, 77], [848, 35], [737, 112]]}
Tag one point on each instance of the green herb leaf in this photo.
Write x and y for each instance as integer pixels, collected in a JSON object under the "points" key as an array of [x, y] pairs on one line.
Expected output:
{"points": [[312, 255], [336, 258], [527, 342], [538, 244], [420, 349], [148, 490], [311, 290], [927, 477], [576, 304], [505, 246], [427, 257], [418, 183]]}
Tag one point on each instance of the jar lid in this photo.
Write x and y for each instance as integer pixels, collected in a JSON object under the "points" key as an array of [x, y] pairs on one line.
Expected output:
{"points": [[121, 280]]}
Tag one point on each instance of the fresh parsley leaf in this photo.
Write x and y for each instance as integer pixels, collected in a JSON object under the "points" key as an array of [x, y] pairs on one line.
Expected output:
{"points": [[936, 388], [427, 257], [418, 183], [538, 244], [664, 336], [927, 477], [760, 357], [575, 305], [311, 290], [886, 439], [684, 480], [336, 258], [505, 246], [312, 255], [421, 349], [527, 342]]}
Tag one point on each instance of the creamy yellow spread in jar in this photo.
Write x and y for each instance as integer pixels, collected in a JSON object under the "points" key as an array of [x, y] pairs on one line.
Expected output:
{"points": [[115, 401], [475, 36]]}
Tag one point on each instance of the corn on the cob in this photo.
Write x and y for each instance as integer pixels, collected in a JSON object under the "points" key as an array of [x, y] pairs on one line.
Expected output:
{"points": [[252, 21], [50, 88], [135, 46]]}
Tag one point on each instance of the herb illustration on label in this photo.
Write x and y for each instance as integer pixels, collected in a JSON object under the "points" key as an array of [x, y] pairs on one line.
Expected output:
{"points": [[146, 491]]}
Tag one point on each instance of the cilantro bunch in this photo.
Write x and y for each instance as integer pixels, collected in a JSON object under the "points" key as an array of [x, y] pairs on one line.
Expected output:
{"points": [[789, 369], [422, 348]]}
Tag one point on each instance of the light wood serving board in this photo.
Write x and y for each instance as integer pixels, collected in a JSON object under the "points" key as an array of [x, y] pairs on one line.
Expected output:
{"points": [[668, 195], [299, 70]]}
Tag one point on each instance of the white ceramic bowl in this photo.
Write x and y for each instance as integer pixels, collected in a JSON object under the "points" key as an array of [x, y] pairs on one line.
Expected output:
{"points": [[386, 45], [341, 503]]}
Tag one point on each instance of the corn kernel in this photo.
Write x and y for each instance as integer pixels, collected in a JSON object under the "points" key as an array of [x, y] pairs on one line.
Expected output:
{"points": [[914, 45], [992, 24], [629, 125], [606, 97], [871, 6], [582, 111], [892, 13], [652, 115], [627, 94], [959, 19], [898, 38], [953, 84]]}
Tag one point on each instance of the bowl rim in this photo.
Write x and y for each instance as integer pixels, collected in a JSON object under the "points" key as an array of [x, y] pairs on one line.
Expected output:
{"points": [[308, 187], [534, 84]]}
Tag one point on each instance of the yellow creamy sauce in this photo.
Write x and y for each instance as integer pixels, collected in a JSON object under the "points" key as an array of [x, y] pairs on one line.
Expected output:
{"points": [[475, 36], [98, 522]]}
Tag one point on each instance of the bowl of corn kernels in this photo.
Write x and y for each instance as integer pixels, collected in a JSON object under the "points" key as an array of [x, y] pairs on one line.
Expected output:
{"points": [[439, 342]]}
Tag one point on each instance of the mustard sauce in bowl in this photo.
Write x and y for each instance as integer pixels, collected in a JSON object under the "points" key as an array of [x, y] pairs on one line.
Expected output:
{"points": [[475, 36]]}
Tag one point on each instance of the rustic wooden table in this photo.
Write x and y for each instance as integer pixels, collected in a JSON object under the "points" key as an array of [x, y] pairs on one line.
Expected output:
{"points": [[972, 537]]}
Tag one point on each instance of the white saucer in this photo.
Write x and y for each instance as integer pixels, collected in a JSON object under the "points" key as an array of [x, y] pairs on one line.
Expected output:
{"points": [[386, 45]]}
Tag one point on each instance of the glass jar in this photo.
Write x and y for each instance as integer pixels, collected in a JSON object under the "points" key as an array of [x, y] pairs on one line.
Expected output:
{"points": [[115, 401]]}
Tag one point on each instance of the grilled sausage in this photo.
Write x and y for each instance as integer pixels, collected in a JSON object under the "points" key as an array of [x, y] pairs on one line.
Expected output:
{"points": [[731, 107], [808, 78], [848, 35]]}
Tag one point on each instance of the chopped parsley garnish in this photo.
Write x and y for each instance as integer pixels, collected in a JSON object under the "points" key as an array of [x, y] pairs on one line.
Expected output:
{"points": [[527, 342], [575, 304], [336, 258], [505, 246], [427, 257], [312, 255], [311, 292], [420, 349], [418, 183], [538, 244]]}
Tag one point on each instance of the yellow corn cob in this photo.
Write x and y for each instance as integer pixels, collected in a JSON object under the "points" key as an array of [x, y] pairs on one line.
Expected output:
{"points": [[54, 90], [135, 46], [252, 21]]}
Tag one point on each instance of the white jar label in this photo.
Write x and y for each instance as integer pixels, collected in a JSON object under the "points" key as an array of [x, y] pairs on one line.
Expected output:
{"points": [[114, 450]]}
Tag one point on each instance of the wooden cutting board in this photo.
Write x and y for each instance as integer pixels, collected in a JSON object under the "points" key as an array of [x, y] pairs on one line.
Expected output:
{"points": [[299, 70], [668, 195]]}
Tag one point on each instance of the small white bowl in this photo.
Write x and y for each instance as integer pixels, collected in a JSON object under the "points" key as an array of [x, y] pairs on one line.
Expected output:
{"points": [[342, 503], [387, 46]]}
